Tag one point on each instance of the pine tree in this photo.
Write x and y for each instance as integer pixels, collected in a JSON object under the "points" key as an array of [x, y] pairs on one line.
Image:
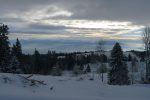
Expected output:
{"points": [[37, 62], [17, 50], [13, 50], [70, 61], [129, 57], [56, 71], [103, 58], [76, 70], [118, 74], [14, 65], [4, 48], [81, 67], [88, 69]]}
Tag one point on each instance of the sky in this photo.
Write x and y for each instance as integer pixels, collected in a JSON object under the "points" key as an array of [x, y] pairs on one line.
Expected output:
{"points": [[75, 25]]}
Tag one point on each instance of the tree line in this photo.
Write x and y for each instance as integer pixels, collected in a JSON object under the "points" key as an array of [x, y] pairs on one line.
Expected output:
{"points": [[12, 60]]}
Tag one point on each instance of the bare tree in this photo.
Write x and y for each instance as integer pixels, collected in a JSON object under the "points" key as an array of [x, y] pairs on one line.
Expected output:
{"points": [[100, 47], [146, 40]]}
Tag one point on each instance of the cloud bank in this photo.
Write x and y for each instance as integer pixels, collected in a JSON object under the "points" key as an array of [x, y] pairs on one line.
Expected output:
{"points": [[75, 25]]}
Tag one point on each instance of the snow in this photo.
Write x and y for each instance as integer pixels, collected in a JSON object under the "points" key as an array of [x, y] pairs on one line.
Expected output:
{"points": [[67, 87]]}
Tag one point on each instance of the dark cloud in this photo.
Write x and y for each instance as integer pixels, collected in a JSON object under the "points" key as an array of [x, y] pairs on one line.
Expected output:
{"points": [[120, 10], [38, 28], [24, 16], [126, 10], [11, 20], [45, 26]]}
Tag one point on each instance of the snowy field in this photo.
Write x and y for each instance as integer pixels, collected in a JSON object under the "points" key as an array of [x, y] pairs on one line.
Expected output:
{"points": [[68, 88]]}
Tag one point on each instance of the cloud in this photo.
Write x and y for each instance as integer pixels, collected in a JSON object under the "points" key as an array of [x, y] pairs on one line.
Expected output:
{"points": [[76, 20], [116, 10]]}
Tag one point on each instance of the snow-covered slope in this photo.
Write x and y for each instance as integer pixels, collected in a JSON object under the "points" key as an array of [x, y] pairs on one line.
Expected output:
{"points": [[68, 88]]}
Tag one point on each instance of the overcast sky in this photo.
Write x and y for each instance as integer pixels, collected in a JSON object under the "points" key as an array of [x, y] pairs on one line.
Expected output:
{"points": [[75, 25]]}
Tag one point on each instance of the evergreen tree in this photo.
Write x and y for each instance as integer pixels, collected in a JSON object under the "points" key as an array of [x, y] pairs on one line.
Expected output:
{"points": [[13, 51], [142, 57], [76, 70], [118, 74], [88, 69], [37, 62], [4, 48], [17, 50], [70, 61], [51, 61], [14, 65], [81, 67], [103, 58], [56, 71], [129, 57]]}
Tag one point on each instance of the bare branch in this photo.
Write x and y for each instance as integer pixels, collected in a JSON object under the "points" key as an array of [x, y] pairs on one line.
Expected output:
{"points": [[146, 37], [100, 46], [146, 40]]}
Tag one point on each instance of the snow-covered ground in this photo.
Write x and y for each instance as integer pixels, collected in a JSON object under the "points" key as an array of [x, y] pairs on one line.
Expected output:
{"points": [[67, 87]]}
